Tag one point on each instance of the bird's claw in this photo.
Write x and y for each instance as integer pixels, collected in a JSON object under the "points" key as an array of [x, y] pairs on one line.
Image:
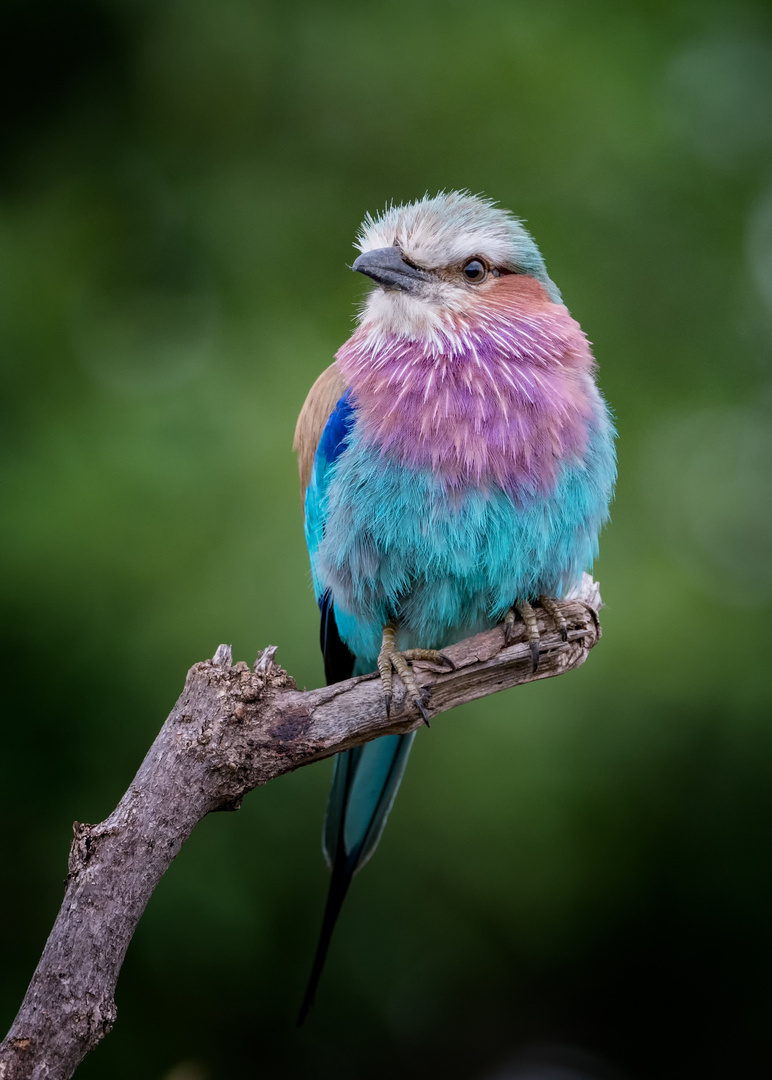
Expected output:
{"points": [[528, 616], [422, 709], [390, 659]]}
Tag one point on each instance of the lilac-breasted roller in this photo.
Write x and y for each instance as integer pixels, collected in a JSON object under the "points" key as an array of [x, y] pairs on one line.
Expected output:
{"points": [[457, 463]]}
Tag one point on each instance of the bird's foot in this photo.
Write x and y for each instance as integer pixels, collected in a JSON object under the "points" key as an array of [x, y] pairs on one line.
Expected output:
{"points": [[390, 659], [528, 616], [552, 607]]}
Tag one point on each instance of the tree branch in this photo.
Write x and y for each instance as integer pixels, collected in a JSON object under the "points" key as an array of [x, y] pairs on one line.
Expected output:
{"points": [[231, 729]]}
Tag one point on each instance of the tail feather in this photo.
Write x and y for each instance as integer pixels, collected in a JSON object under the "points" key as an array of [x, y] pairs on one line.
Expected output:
{"points": [[377, 776], [335, 897], [364, 786], [341, 879]]}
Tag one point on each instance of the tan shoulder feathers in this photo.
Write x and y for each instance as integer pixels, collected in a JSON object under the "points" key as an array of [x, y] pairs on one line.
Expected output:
{"points": [[322, 399]]}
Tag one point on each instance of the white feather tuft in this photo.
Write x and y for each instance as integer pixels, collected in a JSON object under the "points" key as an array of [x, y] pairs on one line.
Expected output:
{"points": [[446, 230]]}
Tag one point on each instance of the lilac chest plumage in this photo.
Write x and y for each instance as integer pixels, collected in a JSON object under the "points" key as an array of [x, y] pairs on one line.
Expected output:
{"points": [[499, 400]]}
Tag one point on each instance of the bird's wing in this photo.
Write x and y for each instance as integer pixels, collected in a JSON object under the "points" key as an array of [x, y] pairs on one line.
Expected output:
{"points": [[321, 436], [317, 408], [328, 447]]}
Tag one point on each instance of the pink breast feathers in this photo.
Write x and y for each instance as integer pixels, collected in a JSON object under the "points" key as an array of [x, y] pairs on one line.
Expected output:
{"points": [[501, 397]]}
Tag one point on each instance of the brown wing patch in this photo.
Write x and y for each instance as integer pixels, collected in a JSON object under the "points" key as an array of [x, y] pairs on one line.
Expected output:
{"points": [[322, 398]]}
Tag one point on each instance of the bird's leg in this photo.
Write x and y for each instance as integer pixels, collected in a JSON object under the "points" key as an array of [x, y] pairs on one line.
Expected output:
{"points": [[390, 659], [528, 615]]}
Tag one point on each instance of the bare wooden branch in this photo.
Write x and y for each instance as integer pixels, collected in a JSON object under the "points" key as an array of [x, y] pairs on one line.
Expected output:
{"points": [[232, 728]]}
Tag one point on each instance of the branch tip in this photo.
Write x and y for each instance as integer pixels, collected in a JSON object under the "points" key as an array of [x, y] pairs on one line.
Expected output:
{"points": [[224, 656], [265, 660]]}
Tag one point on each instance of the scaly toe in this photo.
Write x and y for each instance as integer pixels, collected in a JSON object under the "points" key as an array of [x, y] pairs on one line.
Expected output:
{"points": [[531, 629], [552, 608], [390, 659], [432, 656]]}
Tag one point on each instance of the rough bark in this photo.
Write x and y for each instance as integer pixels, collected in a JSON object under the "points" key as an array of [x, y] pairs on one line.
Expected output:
{"points": [[232, 728]]}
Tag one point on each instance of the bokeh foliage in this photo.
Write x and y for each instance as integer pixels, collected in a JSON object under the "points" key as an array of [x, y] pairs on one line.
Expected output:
{"points": [[579, 862]]}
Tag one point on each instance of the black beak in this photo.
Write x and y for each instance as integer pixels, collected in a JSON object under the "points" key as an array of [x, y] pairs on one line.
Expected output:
{"points": [[387, 268]]}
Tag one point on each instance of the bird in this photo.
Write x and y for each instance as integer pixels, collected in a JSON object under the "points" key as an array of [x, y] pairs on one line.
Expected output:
{"points": [[457, 462]]}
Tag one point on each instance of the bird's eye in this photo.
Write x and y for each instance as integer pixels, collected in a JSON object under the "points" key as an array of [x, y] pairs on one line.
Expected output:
{"points": [[476, 271]]}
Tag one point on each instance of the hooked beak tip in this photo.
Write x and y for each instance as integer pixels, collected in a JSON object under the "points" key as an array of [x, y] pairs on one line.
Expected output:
{"points": [[387, 268]]}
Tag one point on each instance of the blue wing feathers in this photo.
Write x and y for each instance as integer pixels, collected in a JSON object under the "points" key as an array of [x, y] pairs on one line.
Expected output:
{"points": [[336, 432], [333, 442]]}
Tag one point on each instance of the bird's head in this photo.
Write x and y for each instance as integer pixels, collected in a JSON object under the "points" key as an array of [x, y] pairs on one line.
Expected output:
{"points": [[442, 259]]}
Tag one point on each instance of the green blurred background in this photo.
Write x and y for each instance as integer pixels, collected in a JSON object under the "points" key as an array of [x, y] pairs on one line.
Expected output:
{"points": [[578, 863]]}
